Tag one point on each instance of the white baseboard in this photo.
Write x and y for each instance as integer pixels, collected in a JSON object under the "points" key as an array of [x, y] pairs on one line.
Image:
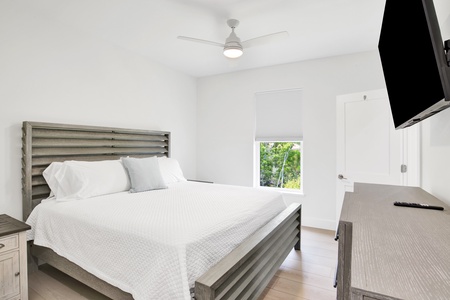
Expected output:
{"points": [[319, 223]]}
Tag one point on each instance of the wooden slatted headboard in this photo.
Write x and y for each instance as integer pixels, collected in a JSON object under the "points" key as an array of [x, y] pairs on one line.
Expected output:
{"points": [[43, 143]]}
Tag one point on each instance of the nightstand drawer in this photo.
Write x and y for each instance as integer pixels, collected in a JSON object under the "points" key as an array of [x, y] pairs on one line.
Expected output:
{"points": [[9, 242]]}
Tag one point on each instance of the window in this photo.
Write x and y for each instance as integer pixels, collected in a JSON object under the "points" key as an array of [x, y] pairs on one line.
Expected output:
{"points": [[279, 140], [280, 164]]}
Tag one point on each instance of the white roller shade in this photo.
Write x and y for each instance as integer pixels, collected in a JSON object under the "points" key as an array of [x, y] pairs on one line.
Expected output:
{"points": [[279, 116]]}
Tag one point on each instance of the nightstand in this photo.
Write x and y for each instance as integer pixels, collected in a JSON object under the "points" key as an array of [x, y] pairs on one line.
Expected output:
{"points": [[13, 259]]}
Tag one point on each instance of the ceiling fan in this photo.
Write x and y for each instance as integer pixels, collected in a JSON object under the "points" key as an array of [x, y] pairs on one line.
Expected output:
{"points": [[233, 47]]}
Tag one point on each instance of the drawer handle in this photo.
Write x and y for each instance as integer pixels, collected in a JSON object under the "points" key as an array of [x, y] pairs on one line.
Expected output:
{"points": [[2, 245], [17, 274]]}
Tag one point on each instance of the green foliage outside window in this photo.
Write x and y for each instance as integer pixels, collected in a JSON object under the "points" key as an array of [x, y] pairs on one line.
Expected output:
{"points": [[280, 164]]}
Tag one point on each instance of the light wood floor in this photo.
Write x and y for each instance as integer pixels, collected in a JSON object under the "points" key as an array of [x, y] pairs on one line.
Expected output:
{"points": [[305, 274]]}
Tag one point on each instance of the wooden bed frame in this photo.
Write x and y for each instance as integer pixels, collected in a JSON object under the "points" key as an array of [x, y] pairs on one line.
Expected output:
{"points": [[242, 274]]}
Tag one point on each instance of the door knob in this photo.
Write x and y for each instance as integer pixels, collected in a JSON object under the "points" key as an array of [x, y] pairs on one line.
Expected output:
{"points": [[340, 176]]}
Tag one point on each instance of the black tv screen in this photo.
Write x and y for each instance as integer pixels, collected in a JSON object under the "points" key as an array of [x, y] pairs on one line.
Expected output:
{"points": [[414, 62]]}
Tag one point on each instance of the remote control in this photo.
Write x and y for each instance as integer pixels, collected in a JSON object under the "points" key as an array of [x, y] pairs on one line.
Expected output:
{"points": [[418, 205]]}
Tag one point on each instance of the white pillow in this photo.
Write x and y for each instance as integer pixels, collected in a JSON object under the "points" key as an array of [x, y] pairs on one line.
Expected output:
{"points": [[170, 170], [144, 174], [49, 176], [84, 179]]}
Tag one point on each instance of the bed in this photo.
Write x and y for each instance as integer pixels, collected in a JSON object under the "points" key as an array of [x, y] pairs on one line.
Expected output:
{"points": [[214, 263]]}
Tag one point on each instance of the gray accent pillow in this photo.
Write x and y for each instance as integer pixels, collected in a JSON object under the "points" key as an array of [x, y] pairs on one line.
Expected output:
{"points": [[144, 174]]}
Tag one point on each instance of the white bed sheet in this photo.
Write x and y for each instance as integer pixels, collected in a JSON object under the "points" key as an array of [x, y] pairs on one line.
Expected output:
{"points": [[154, 244]]}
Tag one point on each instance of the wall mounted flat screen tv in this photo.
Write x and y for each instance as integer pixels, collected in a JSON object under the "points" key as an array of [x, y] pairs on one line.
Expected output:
{"points": [[414, 59]]}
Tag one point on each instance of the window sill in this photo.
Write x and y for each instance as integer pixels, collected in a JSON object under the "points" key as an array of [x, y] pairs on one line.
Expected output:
{"points": [[284, 191]]}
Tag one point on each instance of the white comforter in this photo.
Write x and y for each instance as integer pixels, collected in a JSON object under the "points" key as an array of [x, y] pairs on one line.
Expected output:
{"points": [[154, 244]]}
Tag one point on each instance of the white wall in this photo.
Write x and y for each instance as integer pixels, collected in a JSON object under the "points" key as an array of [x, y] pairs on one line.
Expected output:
{"points": [[435, 132], [226, 123], [443, 13], [52, 73]]}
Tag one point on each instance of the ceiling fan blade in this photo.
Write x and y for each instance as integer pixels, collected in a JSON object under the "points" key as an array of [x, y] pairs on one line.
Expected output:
{"points": [[265, 39], [200, 41]]}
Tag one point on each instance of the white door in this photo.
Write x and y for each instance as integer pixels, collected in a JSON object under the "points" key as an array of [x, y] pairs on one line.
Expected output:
{"points": [[369, 148]]}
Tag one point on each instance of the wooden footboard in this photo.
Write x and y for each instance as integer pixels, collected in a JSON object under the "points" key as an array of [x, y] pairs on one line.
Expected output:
{"points": [[246, 271]]}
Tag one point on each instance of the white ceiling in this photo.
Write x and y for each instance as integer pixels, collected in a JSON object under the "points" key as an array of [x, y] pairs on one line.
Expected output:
{"points": [[317, 28]]}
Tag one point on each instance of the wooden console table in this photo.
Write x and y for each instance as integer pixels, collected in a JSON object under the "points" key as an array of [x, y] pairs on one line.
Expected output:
{"points": [[389, 252]]}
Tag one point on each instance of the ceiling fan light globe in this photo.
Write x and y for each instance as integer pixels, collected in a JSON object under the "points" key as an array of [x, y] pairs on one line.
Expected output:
{"points": [[232, 52]]}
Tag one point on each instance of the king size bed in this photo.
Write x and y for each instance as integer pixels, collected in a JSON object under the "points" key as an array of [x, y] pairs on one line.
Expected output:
{"points": [[181, 240]]}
